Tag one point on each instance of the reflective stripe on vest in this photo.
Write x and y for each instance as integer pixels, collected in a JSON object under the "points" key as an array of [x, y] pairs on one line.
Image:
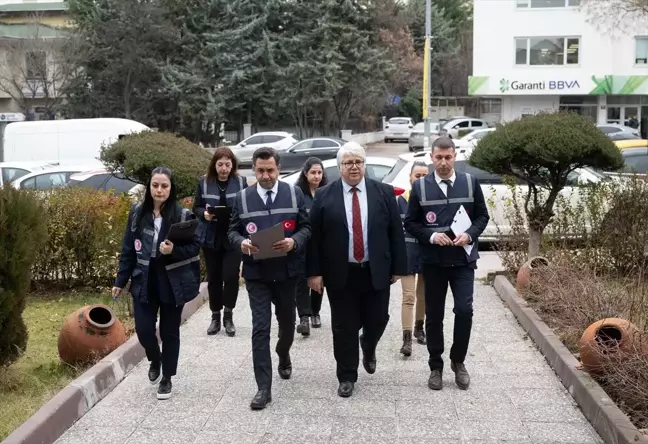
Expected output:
{"points": [[205, 195], [182, 263], [408, 237], [429, 203], [293, 209]]}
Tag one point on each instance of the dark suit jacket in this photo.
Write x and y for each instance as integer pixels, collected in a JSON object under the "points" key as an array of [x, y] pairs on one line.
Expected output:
{"points": [[328, 253]]}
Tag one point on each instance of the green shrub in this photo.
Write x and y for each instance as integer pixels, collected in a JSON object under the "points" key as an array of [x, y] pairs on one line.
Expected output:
{"points": [[136, 155], [463, 132], [22, 231], [85, 229]]}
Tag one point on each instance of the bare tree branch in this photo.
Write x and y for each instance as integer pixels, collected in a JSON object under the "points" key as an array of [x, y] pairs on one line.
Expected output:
{"points": [[617, 16]]}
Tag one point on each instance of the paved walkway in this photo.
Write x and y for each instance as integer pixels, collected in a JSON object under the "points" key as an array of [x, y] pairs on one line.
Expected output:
{"points": [[514, 395]]}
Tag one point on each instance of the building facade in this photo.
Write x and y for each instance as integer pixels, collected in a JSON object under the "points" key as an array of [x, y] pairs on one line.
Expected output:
{"points": [[32, 67], [543, 55]]}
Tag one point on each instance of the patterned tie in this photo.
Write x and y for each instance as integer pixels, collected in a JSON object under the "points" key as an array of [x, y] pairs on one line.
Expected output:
{"points": [[358, 242], [268, 199]]}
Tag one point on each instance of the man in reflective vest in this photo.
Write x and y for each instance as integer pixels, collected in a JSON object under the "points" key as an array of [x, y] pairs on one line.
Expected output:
{"points": [[433, 204], [273, 280]]}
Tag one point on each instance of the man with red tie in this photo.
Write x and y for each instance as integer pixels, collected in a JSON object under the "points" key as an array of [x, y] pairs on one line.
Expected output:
{"points": [[357, 251]]}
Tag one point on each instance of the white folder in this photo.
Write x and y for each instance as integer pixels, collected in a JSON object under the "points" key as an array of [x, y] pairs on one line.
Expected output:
{"points": [[460, 223]]}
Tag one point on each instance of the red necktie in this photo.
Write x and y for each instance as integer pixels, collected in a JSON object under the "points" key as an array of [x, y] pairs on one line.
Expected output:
{"points": [[358, 242]]}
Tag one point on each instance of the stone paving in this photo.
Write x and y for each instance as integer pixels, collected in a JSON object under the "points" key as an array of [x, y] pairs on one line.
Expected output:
{"points": [[514, 395]]}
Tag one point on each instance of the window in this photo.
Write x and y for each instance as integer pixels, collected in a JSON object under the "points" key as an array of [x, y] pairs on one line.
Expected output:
{"points": [[636, 161], [52, 180], [254, 140], [11, 174], [303, 146], [36, 65], [377, 172], [399, 121], [272, 139], [547, 3], [641, 50], [332, 173], [543, 51], [325, 143]]}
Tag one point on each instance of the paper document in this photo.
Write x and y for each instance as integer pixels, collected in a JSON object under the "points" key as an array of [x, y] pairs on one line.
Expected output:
{"points": [[264, 239], [460, 224]]}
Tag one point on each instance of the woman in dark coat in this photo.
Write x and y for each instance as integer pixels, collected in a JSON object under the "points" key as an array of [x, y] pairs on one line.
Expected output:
{"points": [[163, 276], [223, 260], [413, 288], [309, 302]]}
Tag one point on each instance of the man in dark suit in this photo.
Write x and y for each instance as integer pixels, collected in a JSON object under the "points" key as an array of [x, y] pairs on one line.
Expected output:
{"points": [[433, 204], [272, 280], [357, 251]]}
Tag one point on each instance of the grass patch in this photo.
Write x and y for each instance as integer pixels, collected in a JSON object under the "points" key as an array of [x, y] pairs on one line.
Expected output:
{"points": [[38, 375]]}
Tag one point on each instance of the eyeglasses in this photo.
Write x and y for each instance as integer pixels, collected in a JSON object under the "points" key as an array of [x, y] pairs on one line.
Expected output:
{"points": [[349, 165]]}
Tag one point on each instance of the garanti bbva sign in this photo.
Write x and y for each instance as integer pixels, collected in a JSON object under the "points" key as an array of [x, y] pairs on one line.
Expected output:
{"points": [[576, 85]]}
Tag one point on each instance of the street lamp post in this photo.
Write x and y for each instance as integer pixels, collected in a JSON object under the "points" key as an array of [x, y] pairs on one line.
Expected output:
{"points": [[427, 81]]}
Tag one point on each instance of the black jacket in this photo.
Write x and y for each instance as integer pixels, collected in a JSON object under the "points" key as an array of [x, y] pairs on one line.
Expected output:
{"points": [[328, 254]]}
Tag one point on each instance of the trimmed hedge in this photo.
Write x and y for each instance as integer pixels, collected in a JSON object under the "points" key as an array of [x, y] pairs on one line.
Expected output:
{"points": [[85, 230], [22, 231], [136, 155]]}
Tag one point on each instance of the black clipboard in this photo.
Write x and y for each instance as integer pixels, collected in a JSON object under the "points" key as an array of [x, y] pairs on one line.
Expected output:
{"points": [[221, 214], [182, 231]]}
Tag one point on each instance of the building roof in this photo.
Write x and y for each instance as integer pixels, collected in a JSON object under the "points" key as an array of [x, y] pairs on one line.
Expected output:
{"points": [[34, 7], [30, 30]]}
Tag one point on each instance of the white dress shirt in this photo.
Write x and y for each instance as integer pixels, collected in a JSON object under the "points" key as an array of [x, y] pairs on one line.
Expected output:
{"points": [[263, 193], [444, 189], [364, 210]]}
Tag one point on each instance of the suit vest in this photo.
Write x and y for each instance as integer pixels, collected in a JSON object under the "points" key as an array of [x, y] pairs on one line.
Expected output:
{"points": [[438, 214], [211, 196], [411, 243], [211, 192], [255, 216]]}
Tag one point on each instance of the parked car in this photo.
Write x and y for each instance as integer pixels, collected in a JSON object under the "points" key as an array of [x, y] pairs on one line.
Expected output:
{"points": [[398, 128], [467, 143], [279, 140], [54, 177], [492, 186], [323, 148], [10, 171], [376, 168], [622, 135], [417, 136], [467, 125], [612, 128], [105, 181]]}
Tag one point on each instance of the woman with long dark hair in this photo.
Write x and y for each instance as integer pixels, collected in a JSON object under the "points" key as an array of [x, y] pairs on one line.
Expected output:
{"points": [[222, 259], [309, 302], [163, 276]]}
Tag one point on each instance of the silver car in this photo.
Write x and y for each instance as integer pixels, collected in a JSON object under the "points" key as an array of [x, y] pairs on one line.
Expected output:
{"points": [[416, 138]]}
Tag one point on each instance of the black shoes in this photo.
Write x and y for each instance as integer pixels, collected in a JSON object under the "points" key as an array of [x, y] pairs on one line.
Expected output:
{"points": [[436, 380], [164, 390], [406, 349], [419, 332], [228, 323], [261, 400], [345, 389], [285, 367], [462, 378], [155, 373], [304, 326], [215, 325], [316, 321], [369, 363]]}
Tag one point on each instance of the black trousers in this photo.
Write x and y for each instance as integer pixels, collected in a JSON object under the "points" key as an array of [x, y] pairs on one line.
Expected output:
{"points": [[222, 277], [356, 305], [262, 296], [146, 314], [462, 282], [309, 302]]}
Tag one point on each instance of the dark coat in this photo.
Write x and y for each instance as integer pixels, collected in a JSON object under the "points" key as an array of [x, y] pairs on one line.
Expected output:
{"points": [[328, 254], [181, 269]]}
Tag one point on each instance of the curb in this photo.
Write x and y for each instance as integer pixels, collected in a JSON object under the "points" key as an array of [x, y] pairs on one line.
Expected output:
{"points": [[70, 404], [603, 414]]}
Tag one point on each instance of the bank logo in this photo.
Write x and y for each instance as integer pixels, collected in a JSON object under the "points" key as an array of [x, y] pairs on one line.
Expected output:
{"points": [[504, 85]]}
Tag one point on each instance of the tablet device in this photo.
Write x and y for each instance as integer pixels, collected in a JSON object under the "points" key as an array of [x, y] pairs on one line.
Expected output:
{"points": [[182, 231]]}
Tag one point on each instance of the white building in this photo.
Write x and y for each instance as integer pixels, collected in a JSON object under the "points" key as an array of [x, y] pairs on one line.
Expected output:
{"points": [[535, 55]]}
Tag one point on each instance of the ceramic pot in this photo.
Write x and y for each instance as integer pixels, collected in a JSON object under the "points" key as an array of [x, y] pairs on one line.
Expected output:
{"points": [[525, 271], [608, 338], [89, 334]]}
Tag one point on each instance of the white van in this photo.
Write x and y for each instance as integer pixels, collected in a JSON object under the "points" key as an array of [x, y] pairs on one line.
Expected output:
{"points": [[64, 141]]}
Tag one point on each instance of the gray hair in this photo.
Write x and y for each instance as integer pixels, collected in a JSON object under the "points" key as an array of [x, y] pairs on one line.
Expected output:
{"points": [[350, 149]]}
